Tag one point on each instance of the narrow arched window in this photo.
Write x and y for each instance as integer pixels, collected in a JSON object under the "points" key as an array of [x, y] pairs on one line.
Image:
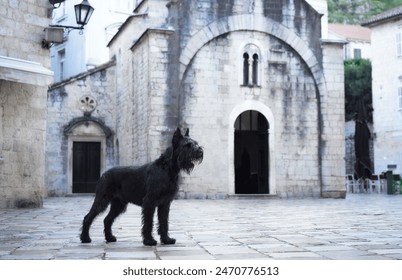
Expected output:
{"points": [[245, 68], [255, 69], [250, 66]]}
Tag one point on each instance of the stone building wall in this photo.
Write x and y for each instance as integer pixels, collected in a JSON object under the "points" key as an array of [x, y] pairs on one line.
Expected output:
{"points": [[22, 126], [21, 32], [134, 48], [213, 90], [187, 71], [23, 102], [67, 122], [387, 94], [332, 119]]}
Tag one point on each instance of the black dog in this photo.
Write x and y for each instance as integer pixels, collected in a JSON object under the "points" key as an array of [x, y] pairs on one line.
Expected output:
{"points": [[149, 186]]}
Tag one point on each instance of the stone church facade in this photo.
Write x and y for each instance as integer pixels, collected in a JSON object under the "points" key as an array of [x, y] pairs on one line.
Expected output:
{"points": [[254, 82]]}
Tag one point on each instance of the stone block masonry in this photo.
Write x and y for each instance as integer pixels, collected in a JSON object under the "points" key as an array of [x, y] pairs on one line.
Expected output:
{"points": [[22, 126], [21, 32], [190, 72], [209, 66], [66, 110], [23, 102]]}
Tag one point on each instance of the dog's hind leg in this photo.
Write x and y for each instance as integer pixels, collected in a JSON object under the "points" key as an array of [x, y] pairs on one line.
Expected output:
{"points": [[163, 217], [116, 208], [100, 204], [148, 212]]}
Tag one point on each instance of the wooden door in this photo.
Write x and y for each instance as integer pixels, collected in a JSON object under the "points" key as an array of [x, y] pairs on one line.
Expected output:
{"points": [[86, 166]]}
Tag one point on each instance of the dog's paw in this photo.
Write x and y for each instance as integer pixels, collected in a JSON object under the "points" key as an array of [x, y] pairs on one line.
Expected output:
{"points": [[111, 238], [168, 241], [149, 242], [85, 239]]}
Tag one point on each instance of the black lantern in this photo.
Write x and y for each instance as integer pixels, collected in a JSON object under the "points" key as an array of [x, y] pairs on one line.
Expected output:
{"points": [[83, 12], [55, 33]]}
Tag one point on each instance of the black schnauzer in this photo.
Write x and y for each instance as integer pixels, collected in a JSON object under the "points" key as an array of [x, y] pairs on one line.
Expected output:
{"points": [[152, 185]]}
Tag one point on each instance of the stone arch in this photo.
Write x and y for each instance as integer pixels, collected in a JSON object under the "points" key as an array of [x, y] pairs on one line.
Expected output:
{"points": [[252, 105], [73, 124], [258, 23], [251, 153], [253, 23]]}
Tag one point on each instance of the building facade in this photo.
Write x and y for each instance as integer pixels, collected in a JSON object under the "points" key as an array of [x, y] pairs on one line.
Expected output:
{"points": [[256, 82], [80, 118], [86, 49], [358, 39], [386, 40], [24, 78]]}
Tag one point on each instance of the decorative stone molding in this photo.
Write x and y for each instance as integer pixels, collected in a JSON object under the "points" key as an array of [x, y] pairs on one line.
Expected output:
{"points": [[87, 104], [70, 127]]}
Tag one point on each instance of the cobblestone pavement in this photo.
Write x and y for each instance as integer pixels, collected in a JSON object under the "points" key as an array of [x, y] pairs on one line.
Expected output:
{"points": [[361, 227]]}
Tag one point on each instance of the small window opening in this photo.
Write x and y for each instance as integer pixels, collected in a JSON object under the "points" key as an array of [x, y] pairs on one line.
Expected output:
{"points": [[255, 69], [245, 69], [400, 98]]}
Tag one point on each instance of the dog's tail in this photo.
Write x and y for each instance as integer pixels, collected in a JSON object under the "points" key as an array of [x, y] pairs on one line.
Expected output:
{"points": [[102, 194]]}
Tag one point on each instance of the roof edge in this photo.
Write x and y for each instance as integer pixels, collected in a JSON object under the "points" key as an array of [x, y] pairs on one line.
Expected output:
{"points": [[390, 15]]}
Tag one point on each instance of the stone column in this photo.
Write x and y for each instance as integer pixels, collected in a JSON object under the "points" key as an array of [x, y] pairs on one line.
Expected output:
{"points": [[333, 122]]}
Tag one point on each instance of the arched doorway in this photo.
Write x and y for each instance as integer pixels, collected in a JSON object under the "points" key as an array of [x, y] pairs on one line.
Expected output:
{"points": [[87, 141], [251, 153], [86, 166]]}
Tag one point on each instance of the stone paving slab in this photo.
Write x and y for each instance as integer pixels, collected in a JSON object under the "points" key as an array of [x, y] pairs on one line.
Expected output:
{"points": [[360, 227]]}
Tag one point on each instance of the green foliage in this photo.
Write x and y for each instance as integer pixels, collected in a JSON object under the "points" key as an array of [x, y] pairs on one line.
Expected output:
{"points": [[357, 86], [357, 11], [358, 71], [340, 11]]}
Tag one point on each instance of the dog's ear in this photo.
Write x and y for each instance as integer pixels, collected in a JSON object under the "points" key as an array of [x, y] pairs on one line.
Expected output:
{"points": [[176, 137], [187, 132]]}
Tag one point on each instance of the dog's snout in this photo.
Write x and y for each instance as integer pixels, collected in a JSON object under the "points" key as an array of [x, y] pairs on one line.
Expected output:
{"points": [[200, 152]]}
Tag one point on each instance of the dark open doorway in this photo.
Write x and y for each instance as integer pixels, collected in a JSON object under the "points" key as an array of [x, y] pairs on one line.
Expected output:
{"points": [[86, 166], [251, 154]]}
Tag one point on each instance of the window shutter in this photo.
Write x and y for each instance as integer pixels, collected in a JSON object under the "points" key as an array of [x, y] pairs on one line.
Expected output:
{"points": [[399, 44]]}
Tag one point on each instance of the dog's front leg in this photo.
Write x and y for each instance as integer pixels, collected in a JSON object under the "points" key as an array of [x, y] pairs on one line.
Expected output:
{"points": [[163, 217], [148, 211]]}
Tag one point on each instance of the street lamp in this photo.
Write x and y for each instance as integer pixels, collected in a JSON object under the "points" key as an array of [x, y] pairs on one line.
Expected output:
{"points": [[55, 33], [83, 13]]}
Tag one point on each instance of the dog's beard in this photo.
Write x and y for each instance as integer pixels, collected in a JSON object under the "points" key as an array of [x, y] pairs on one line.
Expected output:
{"points": [[188, 168], [187, 162]]}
